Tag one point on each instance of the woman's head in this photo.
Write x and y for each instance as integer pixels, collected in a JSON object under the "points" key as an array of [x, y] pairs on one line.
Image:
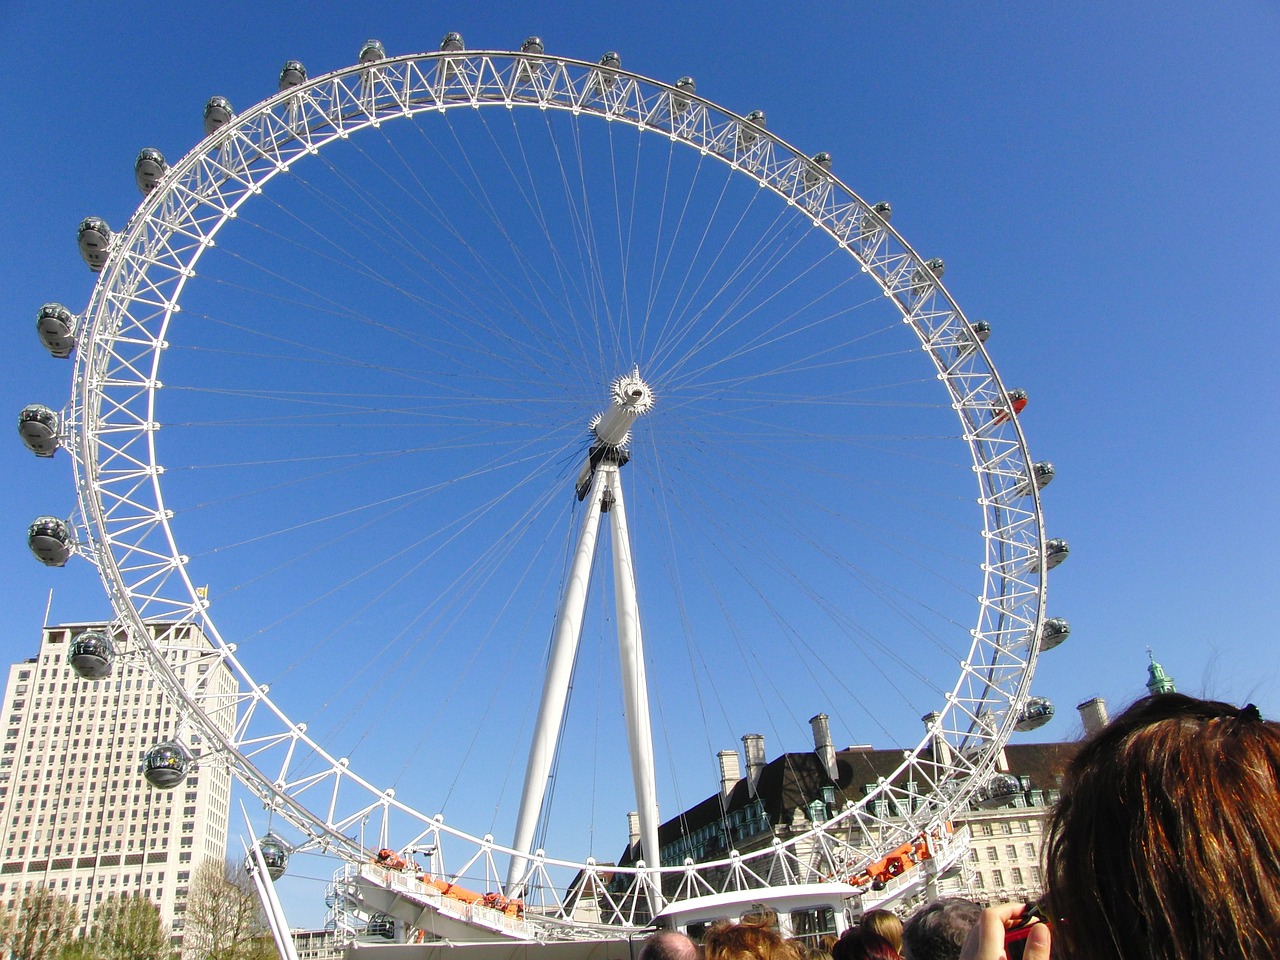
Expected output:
{"points": [[745, 941], [1166, 840], [884, 923]]}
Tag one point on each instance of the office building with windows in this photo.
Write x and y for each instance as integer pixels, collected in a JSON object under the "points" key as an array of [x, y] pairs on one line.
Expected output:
{"points": [[76, 814]]}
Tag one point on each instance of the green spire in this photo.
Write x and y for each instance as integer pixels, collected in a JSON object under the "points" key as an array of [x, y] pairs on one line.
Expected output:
{"points": [[1157, 680]]}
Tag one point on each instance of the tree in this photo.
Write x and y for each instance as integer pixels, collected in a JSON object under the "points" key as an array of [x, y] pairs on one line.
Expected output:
{"points": [[45, 924], [129, 928], [224, 917]]}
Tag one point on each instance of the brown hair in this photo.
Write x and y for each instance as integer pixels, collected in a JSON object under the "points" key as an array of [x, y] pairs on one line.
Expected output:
{"points": [[745, 941], [884, 923], [1166, 841]]}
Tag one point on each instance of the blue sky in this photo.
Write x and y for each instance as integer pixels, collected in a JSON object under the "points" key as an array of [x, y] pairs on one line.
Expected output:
{"points": [[1099, 180]]}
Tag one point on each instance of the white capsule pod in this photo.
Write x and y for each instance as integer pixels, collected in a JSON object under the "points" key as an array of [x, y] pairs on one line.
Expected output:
{"points": [[372, 52], [38, 426], [604, 78], [274, 855], [149, 169], [166, 764], [292, 74], [999, 791], [1055, 551], [880, 214], [526, 70], [94, 238], [50, 540], [981, 331], [56, 326], [1053, 632], [815, 174], [217, 113], [452, 43], [1035, 713], [926, 275], [680, 97], [1041, 475], [92, 655], [749, 129]]}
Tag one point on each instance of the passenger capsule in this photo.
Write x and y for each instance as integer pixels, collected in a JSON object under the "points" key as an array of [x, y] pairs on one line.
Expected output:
{"points": [[451, 43], [166, 764], [685, 88], [217, 113], [526, 70], [57, 328], [94, 237], [50, 540], [372, 52], [927, 275], [605, 79], [1041, 475], [822, 161], [1035, 714], [274, 855], [881, 211], [92, 655], [981, 331], [38, 427], [292, 74], [1017, 403], [1055, 551], [999, 791], [1052, 632], [149, 169], [747, 132]]}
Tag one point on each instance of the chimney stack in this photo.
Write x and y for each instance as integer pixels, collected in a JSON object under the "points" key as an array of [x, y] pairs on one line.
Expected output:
{"points": [[822, 744], [937, 742], [753, 747], [633, 828], [1094, 714], [730, 771]]}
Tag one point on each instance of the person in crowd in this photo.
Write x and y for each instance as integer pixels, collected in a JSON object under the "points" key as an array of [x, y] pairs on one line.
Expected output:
{"points": [[1165, 843], [746, 941], [861, 943], [885, 923], [668, 945], [938, 930]]}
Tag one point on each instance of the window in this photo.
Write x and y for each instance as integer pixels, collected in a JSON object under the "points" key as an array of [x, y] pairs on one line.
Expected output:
{"points": [[1017, 876], [997, 877], [1006, 827], [993, 855], [1011, 852], [1030, 850], [986, 829]]}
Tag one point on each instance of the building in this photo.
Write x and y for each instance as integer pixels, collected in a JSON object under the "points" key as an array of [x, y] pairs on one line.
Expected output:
{"points": [[76, 815], [787, 795]]}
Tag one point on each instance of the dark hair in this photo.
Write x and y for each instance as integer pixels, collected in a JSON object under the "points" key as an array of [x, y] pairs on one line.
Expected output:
{"points": [[938, 930], [1166, 840], [862, 943]]}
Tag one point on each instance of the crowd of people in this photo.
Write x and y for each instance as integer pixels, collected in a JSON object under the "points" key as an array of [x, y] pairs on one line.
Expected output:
{"points": [[1164, 845]]}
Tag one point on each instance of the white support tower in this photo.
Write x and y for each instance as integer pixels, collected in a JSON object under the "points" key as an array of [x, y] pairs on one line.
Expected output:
{"points": [[600, 485]]}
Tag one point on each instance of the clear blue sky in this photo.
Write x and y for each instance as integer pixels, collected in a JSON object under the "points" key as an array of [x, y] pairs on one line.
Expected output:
{"points": [[1092, 176]]}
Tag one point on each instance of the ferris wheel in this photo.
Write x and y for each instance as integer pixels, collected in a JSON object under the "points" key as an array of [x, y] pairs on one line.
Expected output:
{"points": [[408, 384]]}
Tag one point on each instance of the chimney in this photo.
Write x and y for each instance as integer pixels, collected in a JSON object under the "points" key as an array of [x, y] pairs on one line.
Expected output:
{"points": [[730, 771], [938, 744], [753, 747], [1094, 714], [822, 744], [633, 828]]}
